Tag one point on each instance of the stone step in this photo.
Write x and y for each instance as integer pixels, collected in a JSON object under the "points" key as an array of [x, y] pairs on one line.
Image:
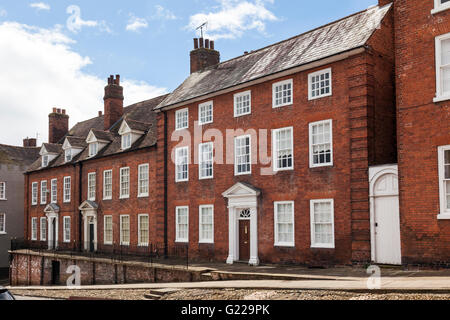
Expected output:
{"points": [[207, 277], [152, 296], [163, 292]]}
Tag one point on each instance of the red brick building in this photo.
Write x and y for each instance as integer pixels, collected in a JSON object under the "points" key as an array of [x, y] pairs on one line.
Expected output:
{"points": [[93, 187], [422, 40], [294, 153], [321, 105]]}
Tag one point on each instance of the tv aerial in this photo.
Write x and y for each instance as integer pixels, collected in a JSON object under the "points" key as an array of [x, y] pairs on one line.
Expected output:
{"points": [[204, 25]]}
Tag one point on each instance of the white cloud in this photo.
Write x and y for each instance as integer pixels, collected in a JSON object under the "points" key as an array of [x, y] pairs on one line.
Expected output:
{"points": [[163, 13], [40, 6], [135, 24], [43, 72], [233, 18], [75, 23]]}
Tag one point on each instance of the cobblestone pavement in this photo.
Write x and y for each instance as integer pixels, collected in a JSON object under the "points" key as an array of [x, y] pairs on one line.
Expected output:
{"points": [[230, 294]]}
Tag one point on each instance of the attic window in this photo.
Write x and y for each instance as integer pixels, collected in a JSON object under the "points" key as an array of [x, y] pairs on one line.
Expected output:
{"points": [[68, 155], [440, 5], [93, 149], [44, 161], [126, 141]]}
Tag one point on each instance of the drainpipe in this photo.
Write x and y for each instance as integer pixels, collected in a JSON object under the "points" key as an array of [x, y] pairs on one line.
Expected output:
{"points": [[80, 198], [166, 158], [27, 210]]}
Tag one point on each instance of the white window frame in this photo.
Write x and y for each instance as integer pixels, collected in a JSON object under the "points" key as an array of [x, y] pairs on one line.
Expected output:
{"points": [[34, 193], [279, 243], [93, 149], [201, 224], [91, 189], [314, 244], [44, 192], [105, 196], [274, 99], [146, 168], [240, 95], [126, 141], [68, 155], [444, 211], [440, 96], [236, 164], [178, 126], [311, 146], [3, 190], [122, 176], [67, 192], [66, 233], [140, 243], [201, 160], [34, 229], [275, 150], [319, 73], [54, 191], [123, 243], [439, 6], [177, 161], [178, 239], [104, 230], [201, 116], [45, 161], [43, 227], [3, 226]]}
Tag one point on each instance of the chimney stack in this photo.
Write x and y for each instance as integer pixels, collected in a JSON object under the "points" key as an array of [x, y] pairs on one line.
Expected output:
{"points": [[58, 125], [113, 102], [204, 55], [29, 142]]}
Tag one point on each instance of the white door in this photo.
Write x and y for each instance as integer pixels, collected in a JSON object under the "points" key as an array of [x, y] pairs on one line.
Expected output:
{"points": [[387, 220]]}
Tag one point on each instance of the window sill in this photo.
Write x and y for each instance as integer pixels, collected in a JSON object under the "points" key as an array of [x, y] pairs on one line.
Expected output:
{"points": [[143, 245], [319, 97], [3, 233], [315, 166], [107, 199], [182, 241], [242, 174], [125, 244], [282, 105], [440, 9], [3, 199], [205, 242], [444, 216], [143, 196], [284, 245], [282, 170], [124, 198], [318, 246], [208, 178], [242, 115], [441, 98]]}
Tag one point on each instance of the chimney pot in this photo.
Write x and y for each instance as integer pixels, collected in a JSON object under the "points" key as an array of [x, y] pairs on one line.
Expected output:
{"points": [[195, 43], [113, 102], [54, 110], [117, 82], [211, 44], [202, 44], [207, 43], [100, 113], [29, 142], [63, 111], [58, 111]]}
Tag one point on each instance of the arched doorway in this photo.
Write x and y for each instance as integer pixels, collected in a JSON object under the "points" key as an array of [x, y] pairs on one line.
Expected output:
{"points": [[385, 215]]}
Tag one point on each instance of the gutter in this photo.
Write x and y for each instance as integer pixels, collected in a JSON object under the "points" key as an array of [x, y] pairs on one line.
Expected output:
{"points": [[315, 64]]}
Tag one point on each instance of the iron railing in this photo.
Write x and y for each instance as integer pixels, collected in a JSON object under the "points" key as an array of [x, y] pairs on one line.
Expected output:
{"points": [[177, 255]]}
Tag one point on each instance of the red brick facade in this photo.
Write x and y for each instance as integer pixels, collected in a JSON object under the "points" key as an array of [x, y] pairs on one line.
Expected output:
{"points": [[423, 126]]}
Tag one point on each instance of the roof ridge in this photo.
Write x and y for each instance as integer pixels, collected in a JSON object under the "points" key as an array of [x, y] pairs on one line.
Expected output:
{"points": [[297, 36]]}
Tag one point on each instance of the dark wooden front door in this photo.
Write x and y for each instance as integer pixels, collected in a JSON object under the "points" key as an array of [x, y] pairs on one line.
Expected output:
{"points": [[53, 233], [244, 240], [56, 266], [91, 238]]}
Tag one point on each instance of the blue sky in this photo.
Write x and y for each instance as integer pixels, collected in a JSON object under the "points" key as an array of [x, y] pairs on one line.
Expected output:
{"points": [[70, 47]]}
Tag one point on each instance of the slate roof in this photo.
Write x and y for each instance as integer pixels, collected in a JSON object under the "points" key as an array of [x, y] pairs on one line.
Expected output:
{"points": [[141, 113], [343, 35], [18, 155], [52, 147], [77, 142]]}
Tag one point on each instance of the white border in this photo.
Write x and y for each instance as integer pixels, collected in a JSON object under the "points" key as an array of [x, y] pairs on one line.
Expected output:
{"points": [[236, 173], [65, 189], [122, 196], [43, 238], [42, 192], [176, 119], [104, 230], [444, 212], [439, 7], [144, 195], [311, 154], [277, 243], [143, 244], [275, 151], [200, 160], [313, 243], [242, 94], [104, 184], [281, 83], [65, 240], [201, 240], [3, 232], [176, 225], [34, 223], [209, 103], [90, 174], [439, 95], [129, 226], [34, 202], [176, 162], [320, 72]]}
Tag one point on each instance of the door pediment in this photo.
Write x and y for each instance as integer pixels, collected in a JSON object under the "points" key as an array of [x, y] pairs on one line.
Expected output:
{"points": [[241, 190], [88, 206], [52, 208]]}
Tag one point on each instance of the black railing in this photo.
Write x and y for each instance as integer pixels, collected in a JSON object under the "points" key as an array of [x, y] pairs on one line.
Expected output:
{"points": [[177, 255]]}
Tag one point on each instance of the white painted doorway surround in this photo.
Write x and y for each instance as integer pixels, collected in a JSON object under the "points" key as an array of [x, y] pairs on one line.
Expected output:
{"points": [[89, 212], [385, 215], [242, 205]]}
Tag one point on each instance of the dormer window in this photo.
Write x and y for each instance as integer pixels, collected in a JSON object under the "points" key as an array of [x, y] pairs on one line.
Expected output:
{"points": [[44, 161], [68, 155], [126, 141], [93, 149]]}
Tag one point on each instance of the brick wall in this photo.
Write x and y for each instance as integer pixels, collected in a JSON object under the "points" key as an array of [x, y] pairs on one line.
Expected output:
{"points": [[423, 126]]}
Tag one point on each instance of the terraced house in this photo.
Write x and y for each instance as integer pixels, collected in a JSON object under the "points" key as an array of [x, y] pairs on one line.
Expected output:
{"points": [[93, 188], [286, 154]]}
